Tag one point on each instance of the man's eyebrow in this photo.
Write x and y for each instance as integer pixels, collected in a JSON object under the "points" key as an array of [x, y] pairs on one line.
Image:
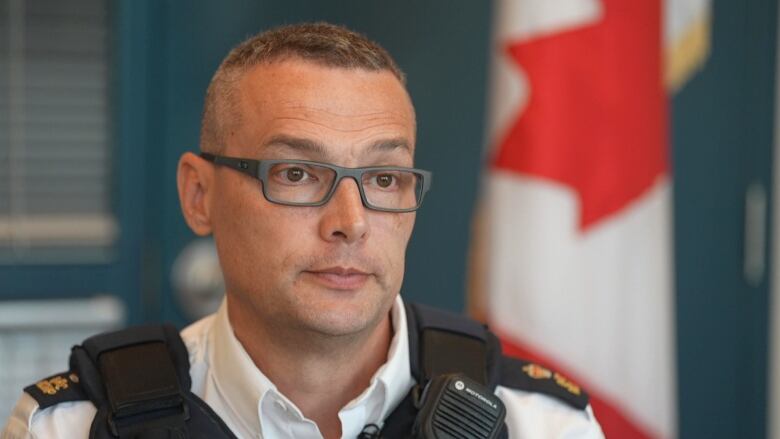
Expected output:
{"points": [[390, 145], [299, 144], [315, 148]]}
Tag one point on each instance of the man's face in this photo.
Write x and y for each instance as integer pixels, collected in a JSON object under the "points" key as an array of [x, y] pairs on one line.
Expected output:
{"points": [[333, 269]]}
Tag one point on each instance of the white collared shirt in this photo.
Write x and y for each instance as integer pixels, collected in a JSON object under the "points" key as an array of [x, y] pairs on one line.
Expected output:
{"points": [[225, 377], [228, 380]]}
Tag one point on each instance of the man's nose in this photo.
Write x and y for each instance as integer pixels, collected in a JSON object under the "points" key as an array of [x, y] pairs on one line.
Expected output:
{"points": [[344, 216]]}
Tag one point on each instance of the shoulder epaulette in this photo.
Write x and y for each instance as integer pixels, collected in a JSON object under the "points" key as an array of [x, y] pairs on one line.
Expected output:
{"points": [[58, 388], [531, 377]]}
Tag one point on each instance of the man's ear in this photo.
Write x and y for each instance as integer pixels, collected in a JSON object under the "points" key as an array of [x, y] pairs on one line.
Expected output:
{"points": [[195, 179]]}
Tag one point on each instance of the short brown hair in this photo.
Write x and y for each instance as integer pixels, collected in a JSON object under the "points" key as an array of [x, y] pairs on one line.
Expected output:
{"points": [[322, 43]]}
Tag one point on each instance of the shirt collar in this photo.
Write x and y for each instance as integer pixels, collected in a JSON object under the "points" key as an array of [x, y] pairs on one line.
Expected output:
{"points": [[238, 380], [244, 387]]}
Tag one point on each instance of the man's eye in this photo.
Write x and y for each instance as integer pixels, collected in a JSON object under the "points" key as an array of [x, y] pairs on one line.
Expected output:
{"points": [[385, 180], [295, 174], [299, 174]]}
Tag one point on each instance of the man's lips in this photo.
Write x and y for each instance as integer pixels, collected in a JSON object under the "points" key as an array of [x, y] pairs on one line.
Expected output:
{"points": [[340, 278]]}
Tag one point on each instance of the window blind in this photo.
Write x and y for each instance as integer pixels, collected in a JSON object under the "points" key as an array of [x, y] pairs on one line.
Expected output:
{"points": [[55, 128]]}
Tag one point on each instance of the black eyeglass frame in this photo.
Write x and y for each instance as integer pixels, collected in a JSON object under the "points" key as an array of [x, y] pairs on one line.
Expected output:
{"points": [[258, 169]]}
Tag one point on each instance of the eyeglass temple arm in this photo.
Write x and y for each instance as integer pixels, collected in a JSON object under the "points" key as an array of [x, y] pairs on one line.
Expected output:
{"points": [[248, 167]]}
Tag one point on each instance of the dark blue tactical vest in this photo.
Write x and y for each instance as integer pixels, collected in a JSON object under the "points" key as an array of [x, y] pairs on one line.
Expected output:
{"points": [[138, 378]]}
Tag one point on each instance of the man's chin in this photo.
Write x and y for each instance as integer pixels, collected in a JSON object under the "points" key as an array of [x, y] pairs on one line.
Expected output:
{"points": [[344, 319]]}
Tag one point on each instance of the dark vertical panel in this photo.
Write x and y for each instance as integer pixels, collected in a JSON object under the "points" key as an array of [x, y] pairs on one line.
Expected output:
{"points": [[139, 119], [722, 137], [760, 64]]}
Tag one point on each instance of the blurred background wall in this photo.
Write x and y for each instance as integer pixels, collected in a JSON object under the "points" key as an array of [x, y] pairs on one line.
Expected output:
{"points": [[98, 99]]}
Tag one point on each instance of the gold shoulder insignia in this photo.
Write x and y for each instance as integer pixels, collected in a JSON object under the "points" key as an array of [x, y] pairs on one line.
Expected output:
{"points": [[567, 384], [51, 386], [533, 377], [536, 372], [55, 389]]}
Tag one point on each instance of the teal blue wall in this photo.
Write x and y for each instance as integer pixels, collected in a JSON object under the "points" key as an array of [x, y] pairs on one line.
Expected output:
{"points": [[722, 142]]}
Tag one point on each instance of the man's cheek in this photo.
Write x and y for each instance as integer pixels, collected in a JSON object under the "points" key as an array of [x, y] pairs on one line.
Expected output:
{"points": [[393, 249], [398, 225]]}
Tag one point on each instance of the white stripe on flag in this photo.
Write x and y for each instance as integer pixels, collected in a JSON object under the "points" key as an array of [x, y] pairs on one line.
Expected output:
{"points": [[598, 303]]}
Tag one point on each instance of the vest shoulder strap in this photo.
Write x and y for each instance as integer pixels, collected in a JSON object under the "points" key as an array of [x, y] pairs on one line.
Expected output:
{"points": [[471, 348], [138, 379], [440, 343]]}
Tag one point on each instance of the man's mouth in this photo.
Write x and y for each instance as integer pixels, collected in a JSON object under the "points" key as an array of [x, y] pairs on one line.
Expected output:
{"points": [[340, 278]]}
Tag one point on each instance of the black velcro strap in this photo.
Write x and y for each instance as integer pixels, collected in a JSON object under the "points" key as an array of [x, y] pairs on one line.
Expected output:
{"points": [[442, 343], [140, 379], [446, 353], [97, 345], [101, 343], [137, 378], [432, 318]]}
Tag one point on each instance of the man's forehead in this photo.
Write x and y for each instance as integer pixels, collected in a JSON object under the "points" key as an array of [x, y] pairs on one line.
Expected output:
{"points": [[341, 116], [302, 85], [309, 108]]}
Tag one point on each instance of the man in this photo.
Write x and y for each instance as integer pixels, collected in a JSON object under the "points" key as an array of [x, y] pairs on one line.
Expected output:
{"points": [[311, 340]]}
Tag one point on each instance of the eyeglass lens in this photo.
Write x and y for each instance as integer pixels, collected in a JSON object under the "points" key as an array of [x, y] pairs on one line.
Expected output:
{"points": [[307, 183]]}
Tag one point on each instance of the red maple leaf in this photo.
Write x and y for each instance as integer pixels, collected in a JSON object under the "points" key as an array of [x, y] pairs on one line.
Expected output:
{"points": [[596, 119]]}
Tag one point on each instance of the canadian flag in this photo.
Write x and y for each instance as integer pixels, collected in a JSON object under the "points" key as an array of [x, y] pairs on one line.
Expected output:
{"points": [[572, 257]]}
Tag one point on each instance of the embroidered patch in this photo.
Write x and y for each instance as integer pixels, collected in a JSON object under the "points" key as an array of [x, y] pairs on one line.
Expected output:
{"points": [[532, 377], [55, 389], [536, 372], [51, 386]]}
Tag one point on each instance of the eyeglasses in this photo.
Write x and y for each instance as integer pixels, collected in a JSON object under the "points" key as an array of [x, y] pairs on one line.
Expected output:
{"points": [[307, 183]]}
